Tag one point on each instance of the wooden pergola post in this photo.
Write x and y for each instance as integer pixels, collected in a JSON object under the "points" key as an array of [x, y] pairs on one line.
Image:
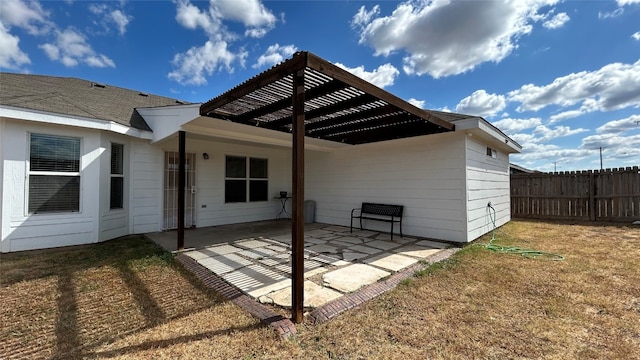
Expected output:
{"points": [[297, 205], [181, 185]]}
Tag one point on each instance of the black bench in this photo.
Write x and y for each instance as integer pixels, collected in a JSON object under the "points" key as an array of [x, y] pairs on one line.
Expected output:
{"points": [[379, 212]]}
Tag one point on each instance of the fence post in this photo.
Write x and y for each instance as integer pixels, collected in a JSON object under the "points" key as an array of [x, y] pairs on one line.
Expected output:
{"points": [[592, 197]]}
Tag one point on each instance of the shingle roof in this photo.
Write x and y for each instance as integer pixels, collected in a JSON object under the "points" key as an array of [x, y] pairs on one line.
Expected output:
{"points": [[78, 97]]}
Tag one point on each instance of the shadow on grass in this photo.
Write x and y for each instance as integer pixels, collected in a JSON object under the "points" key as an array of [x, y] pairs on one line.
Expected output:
{"points": [[160, 344], [100, 297]]}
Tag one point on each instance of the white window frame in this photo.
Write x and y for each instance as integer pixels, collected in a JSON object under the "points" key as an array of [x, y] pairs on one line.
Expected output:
{"points": [[77, 174], [247, 178]]}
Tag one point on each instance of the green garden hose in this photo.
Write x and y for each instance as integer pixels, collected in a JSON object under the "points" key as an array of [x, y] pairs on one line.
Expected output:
{"points": [[528, 253]]}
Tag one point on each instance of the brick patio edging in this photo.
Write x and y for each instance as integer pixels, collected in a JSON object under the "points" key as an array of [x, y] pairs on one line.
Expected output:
{"points": [[336, 307], [282, 325]]}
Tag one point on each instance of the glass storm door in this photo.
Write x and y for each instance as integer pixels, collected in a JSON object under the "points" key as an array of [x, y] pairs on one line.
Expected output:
{"points": [[170, 208]]}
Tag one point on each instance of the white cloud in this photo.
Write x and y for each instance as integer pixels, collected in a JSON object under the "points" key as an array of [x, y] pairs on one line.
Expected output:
{"points": [[544, 134], [480, 103], [121, 20], [513, 126], [26, 15], [275, 54], [11, 56], [611, 141], [557, 21], [620, 126], [191, 17], [111, 16], [417, 103], [196, 64], [443, 38], [627, 2], [612, 87], [363, 17], [70, 47], [383, 76], [29, 16], [193, 66], [606, 15], [251, 13], [636, 35]]}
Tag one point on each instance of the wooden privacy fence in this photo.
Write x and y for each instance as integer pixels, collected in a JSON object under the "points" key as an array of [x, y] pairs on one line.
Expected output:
{"points": [[600, 195]]}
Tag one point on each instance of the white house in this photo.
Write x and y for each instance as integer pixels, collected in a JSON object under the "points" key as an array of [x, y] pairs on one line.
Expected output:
{"points": [[83, 162]]}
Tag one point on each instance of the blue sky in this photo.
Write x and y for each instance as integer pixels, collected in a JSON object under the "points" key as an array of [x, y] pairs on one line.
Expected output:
{"points": [[562, 78]]}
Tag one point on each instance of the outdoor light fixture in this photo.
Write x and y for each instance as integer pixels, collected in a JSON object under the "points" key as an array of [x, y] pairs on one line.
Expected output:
{"points": [[205, 156]]}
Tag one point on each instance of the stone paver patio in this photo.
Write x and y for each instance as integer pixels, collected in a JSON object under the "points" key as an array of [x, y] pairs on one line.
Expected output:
{"points": [[337, 262]]}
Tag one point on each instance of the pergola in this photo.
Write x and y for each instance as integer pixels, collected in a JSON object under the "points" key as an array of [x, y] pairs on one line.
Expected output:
{"points": [[309, 96]]}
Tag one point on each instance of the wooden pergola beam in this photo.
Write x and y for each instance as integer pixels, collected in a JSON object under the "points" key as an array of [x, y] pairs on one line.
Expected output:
{"points": [[321, 127], [299, 61], [297, 204], [327, 68], [322, 90], [326, 110]]}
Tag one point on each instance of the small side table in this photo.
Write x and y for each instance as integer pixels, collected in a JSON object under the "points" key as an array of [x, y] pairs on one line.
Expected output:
{"points": [[283, 211]]}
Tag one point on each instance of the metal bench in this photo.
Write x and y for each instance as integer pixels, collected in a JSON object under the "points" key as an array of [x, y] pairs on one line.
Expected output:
{"points": [[379, 212]]}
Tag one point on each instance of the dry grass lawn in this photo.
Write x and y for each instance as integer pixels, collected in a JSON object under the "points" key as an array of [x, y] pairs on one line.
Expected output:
{"points": [[126, 299]]}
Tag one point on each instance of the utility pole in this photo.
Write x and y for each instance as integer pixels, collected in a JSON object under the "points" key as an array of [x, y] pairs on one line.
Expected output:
{"points": [[600, 158], [554, 166]]}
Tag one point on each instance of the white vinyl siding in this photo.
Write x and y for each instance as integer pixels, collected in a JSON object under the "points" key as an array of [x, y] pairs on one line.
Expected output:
{"points": [[22, 230], [425, 174], [487, 181]]}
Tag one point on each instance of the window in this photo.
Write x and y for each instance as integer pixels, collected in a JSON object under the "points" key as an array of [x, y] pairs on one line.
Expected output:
{"points": [[238, 185], [492, 152], [54, 174], [117, 176]]}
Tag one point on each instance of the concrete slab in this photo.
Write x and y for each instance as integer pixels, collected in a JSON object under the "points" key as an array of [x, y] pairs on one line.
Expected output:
{"points": [[364, 249], [416, 251], [382, 245], [285, 239], [317, 232], [251, 244], [283, 284], [257, 253], [197, 255], [353, 277], [314, 241], [330, 260], [276, 248], [221, 250], [314, 296], [363, 233], [323, 249], [222, 264], [351, 240], [336, 228], [253, 279], [352, 255], [433, 244], [393, 262]]}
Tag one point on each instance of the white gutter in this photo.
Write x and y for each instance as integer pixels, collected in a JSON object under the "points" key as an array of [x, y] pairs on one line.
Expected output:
{"points": [[11, 112]]}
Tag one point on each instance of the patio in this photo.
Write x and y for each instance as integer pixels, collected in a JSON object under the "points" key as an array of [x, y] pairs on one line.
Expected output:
{"points": [[255, 258]]}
